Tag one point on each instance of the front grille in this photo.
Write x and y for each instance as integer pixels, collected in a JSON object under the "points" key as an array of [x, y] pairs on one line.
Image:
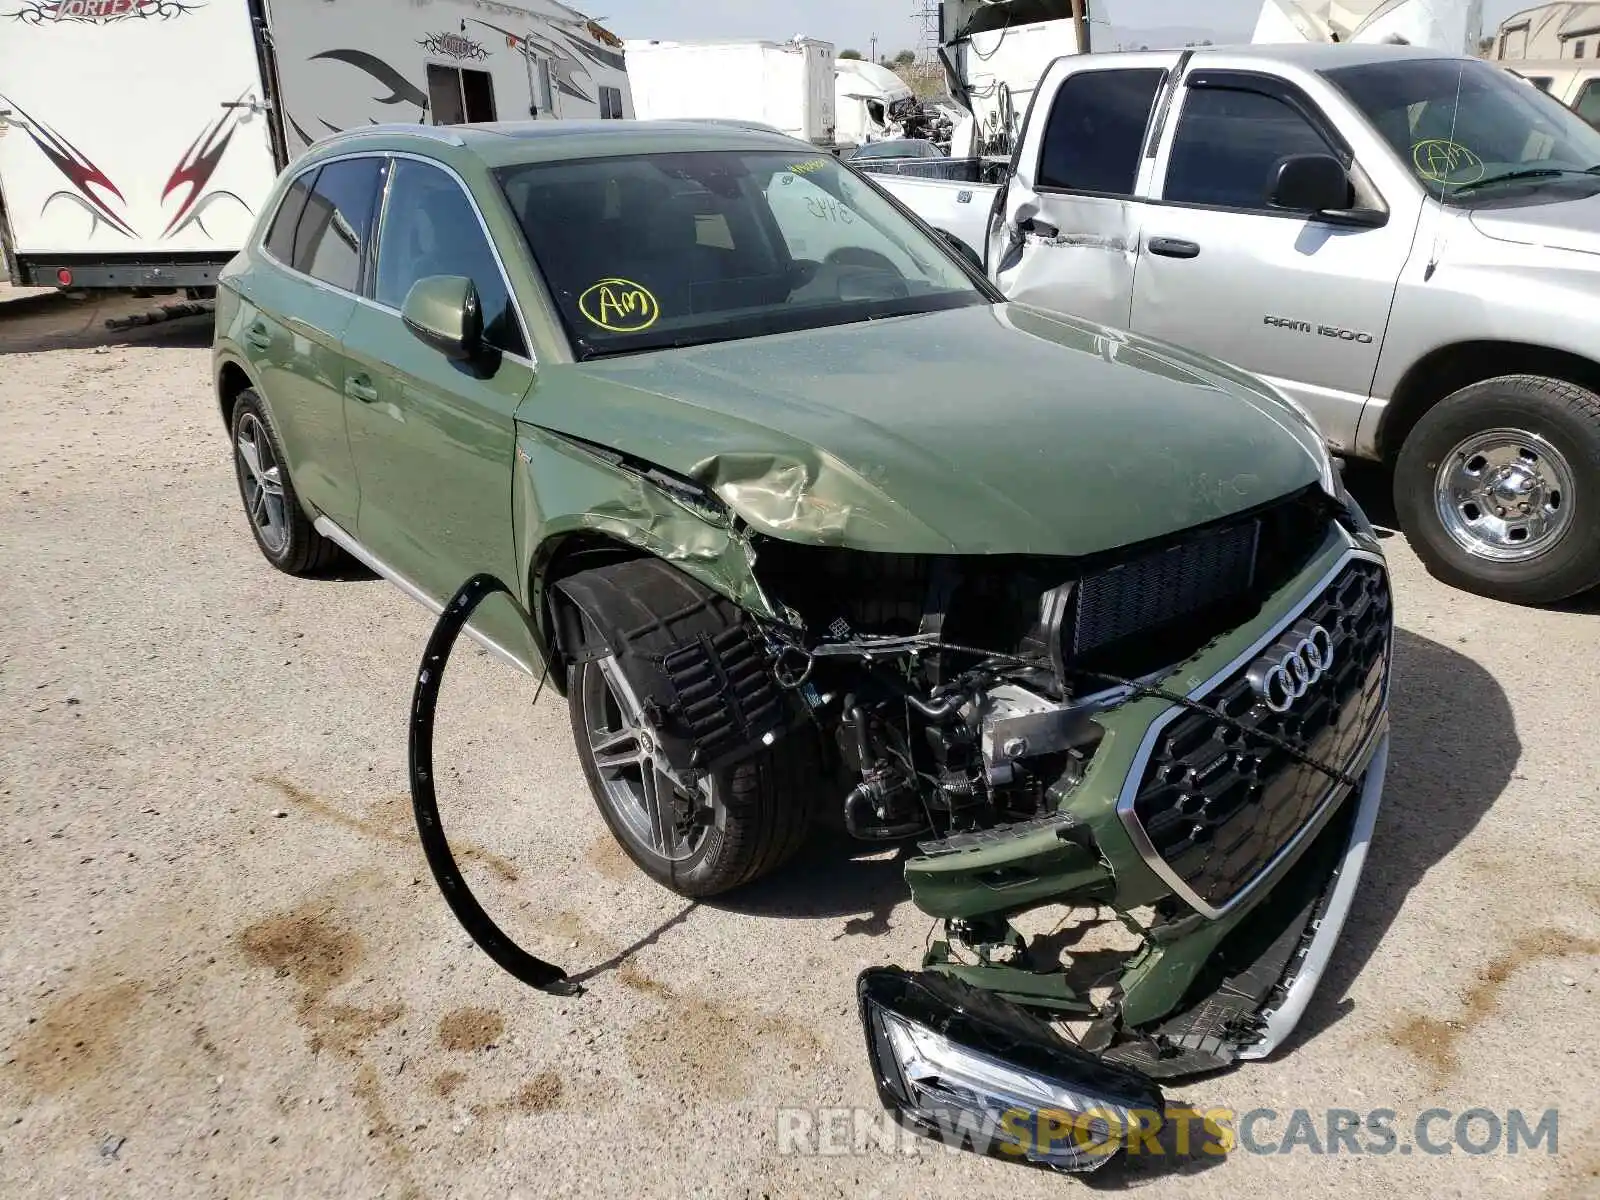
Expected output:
{"points": [[1155, 588], [1217, 805], [1209, 572]]}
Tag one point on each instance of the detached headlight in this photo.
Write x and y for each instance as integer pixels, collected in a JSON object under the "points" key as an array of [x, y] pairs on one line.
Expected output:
{"points": [[960, 1065]]}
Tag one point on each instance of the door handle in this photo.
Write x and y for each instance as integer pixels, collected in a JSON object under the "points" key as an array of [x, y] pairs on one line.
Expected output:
{"points": [[1173, 247], [258, 338], [359, 387]]}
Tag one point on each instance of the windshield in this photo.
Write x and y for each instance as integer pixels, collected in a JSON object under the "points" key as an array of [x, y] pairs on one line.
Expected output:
{"points": [[655, 250], [1470, 131]]}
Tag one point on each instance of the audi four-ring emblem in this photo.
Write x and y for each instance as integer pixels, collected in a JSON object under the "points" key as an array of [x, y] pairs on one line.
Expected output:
{"points": [[1287, 671]]}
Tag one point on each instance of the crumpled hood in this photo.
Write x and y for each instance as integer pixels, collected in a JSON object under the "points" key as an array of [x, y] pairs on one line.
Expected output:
{"points": [[1567, 225], [987, 429]]}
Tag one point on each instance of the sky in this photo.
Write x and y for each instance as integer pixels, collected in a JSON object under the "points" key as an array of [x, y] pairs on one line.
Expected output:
{"points": [[850, 24]]}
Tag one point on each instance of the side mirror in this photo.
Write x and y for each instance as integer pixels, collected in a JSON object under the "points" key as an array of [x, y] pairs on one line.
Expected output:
{"points": [[1311, 183], [443, 312], [961, 248], [1320, 183]]}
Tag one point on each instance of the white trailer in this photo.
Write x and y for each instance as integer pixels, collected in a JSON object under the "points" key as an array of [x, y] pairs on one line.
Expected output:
{"points": [[139, 137], [787, 85], [1451, 26]]}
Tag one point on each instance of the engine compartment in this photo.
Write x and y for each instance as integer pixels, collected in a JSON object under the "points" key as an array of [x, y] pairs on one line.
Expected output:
{"points": [[955, 694]]}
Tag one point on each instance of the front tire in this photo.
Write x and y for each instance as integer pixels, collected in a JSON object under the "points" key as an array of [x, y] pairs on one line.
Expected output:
{"points": [[1498, 489], [736, 824], [283, 532]]}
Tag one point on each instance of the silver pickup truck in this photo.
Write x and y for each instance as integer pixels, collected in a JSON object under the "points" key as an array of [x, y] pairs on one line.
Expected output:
{"points": [[1406, 243]]}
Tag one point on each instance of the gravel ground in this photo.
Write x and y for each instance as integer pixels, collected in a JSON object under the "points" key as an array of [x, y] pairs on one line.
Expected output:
{"points": [[224, 969]]}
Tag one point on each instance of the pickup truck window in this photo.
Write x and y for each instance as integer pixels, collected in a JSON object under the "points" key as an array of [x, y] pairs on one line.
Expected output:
{"points": [[1587, 105], [655, 250], [1472, 134], [1095, 134], [1227, 143]]}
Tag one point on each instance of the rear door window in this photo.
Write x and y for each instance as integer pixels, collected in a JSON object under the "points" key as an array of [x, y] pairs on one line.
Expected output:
{"points": [[334, 220], [1095, 134]]}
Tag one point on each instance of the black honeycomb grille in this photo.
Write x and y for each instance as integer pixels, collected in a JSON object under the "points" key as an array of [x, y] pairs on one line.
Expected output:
{"points": [[1217, 805]]}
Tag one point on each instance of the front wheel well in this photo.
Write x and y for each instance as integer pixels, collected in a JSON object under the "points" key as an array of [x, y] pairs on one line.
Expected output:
{"points": [[1448, 369], [560, 559]]}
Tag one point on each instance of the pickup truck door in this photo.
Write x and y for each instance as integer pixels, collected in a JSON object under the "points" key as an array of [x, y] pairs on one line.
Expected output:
{"points": [[434, 441], [1299, 299], [1070, 219]]}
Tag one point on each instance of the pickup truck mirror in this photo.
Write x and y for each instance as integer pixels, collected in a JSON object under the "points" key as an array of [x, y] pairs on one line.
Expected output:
{"points": [[1320, 184], [443, 312], [1311, 183]]}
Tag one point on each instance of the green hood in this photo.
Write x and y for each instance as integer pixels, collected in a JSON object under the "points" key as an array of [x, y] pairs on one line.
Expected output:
{"points": [[980, 430]]}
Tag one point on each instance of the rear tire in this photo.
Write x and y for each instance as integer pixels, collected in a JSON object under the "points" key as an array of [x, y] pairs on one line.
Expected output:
{"points": [[1498, 489], [743, 821], [283, 532]]}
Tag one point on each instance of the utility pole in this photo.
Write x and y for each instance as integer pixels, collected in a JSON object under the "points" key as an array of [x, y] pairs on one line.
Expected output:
{"points": [[874, 48], [1080, 25]]}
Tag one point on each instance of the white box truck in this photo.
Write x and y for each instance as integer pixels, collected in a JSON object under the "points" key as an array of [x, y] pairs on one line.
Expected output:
{"points": [[787, 85], [150, 175]]}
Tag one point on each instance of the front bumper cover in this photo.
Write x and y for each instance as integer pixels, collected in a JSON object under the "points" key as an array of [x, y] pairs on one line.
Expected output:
{"points": [[965, 1066]]}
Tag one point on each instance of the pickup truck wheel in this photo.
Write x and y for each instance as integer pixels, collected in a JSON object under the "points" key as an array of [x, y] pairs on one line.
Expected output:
{"points": [[730, 828], [282, 530], [1498, 488]]}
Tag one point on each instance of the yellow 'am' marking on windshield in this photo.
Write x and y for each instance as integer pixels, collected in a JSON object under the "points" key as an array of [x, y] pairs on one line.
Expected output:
{"points": [[619, 305], [1440, 158], [808, 167]]}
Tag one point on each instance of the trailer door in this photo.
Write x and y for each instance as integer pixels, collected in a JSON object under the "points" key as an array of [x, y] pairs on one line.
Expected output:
{"points": [[132, 128]]}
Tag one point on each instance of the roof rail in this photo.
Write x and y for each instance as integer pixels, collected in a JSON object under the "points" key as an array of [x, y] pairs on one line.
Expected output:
{"points": [[433, 133]]}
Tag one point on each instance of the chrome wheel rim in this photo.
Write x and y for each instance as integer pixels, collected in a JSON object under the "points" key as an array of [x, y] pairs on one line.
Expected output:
{"points": [[673, 821], [1504, 495], [261, 481]]}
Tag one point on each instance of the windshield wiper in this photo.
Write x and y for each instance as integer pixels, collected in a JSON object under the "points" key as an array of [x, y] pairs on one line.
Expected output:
{"points": [[1526, 173]]}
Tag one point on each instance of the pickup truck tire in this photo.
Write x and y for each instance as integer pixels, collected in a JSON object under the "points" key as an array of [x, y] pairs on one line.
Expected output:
{"points": [[748, 819], [1498, 489], [282, 530]]}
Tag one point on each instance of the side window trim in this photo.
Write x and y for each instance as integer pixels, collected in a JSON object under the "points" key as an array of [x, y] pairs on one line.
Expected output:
{"points": [[260, 244], [531, 358], [1273, 88], [1156, 103], [1281, 90]]}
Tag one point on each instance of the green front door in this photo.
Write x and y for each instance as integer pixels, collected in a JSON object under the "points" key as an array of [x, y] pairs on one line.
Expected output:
{"points": [[434, 440]]}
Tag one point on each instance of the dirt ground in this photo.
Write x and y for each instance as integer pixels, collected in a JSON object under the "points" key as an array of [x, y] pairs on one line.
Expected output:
{"points": [[224, 969]]}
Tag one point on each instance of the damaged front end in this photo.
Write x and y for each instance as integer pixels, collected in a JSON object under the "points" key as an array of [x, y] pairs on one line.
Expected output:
{"points": [[1140, 782]]}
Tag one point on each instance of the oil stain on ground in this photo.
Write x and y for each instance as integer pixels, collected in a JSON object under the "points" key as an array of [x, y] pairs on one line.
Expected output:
{"points": [[708, 1047], [78, 1037], [609, 860], [470, 1029], [311, 946], [1434, 1041], [389, 820]]}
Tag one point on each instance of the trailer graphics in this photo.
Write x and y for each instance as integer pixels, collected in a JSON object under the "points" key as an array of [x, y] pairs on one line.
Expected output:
{"points": [[157, 190], [99, 12]]}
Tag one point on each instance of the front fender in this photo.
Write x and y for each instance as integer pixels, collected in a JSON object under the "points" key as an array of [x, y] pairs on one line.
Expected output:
{"points": [[563, 489]]}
